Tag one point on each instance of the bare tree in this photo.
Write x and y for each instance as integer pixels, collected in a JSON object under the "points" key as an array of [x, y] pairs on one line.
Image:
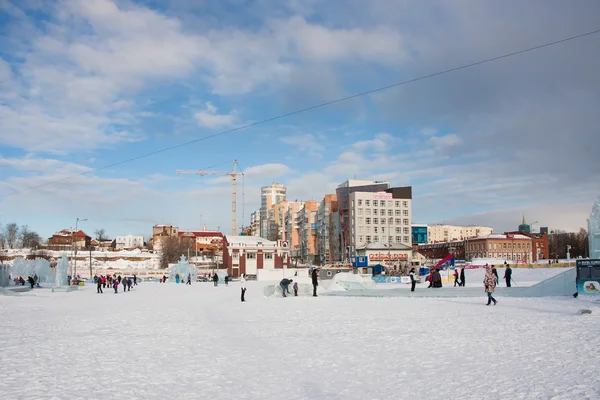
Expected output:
{"points": [[11, 232], [2, 238], [101, 235], [171, 249]]}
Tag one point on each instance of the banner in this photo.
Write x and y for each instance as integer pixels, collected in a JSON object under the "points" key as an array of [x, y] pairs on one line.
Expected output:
{"points": [[588, 277]]}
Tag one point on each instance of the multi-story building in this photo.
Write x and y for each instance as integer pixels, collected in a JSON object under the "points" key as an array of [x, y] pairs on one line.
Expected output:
{"points": [[203, 241], [324, 226], [69, 239], [381, 217], [160, 232], [249, 254], [442, 249], [269, 196], [511, 247], [291, 227], [307, 231], [255, 223], [129, 242], [335, 237], [540, 244], [446, 233], [343, 192]]}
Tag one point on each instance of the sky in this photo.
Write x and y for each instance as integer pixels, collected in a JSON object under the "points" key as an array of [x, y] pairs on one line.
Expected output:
{"points": [[86, 85]]}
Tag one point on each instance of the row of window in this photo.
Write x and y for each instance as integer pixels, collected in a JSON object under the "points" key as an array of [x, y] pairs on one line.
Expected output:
{"points": [[382, 229], [481, 246], [382, 221], [508, 256], [252, 256], [382, 212], [390, 239], [382, 203]]}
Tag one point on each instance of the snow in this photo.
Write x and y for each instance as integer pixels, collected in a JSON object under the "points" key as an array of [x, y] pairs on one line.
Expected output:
{"points": [[144, 345]]}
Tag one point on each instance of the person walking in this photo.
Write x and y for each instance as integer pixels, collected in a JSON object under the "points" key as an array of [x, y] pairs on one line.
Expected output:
{"points": [[456, 277], [116, 286], [413, 281], [315, 280], [495, 272], [99, 286], [129, 284], [226, 280], [296, 289], [243, 286], [462, 276], [134, 280], [508, 275], [216, 279], [189, 281], [285, 285], [489, 282], [124, 282]]}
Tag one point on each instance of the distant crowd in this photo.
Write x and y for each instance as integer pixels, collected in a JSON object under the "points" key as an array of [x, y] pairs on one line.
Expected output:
{"points": [[108, 281]]}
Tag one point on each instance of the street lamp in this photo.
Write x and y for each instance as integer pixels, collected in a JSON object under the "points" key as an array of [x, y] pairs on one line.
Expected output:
{"points": [[75, 247]]}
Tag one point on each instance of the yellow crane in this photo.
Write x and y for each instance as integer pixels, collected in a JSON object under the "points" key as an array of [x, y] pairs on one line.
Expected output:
{"points": [[233, 174]]}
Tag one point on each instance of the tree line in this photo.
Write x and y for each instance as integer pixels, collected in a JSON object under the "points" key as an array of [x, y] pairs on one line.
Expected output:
{"points": [[560, 240], [14, 237]]}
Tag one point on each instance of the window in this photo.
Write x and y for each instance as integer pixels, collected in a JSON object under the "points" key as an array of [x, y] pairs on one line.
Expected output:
{"points": [[368, 228], [398, 222], [391, 221], [405, 204], [405, 213], [368, 239], [375, 203], [383, 229], [368, 211], [268, 256], [375, 238], [359, 202], [361, 220], [236, 256], [367, 203], [390, 203], [352, 203], [360, 239], [398, 239], [390, 213], [406, 239], [374, 211], [390, 239], [489, 246], [375, 229], [504, 245], [406, 230], [250, 256], [375, 221], [398, 213], [368, 221], [361, 229], [397, 203], [398, 229], [494, 246], [360, 211], [382, 212], [405, 221]]}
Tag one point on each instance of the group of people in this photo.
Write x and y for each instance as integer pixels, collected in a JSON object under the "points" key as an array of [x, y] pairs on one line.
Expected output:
{"points": [[285, 283], [107, 281]]}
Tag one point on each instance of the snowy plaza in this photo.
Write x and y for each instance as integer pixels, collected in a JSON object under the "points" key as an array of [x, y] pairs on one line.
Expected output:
{"points": [[169, 341]]}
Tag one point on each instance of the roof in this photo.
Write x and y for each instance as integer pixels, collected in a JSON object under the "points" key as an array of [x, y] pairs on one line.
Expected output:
{"points": [[200, 233], [69, 233], [384, 246], [248, 240], [515, 236]]}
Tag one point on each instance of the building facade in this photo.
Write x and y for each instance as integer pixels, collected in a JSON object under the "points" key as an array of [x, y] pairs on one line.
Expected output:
{"points": [[510, 247], [395, 256], [160, 232], [248, 254], [255, 223], [324, 227], [129, 242], [447, 233], [343, 193], [380, 218], [540, 244], [269, 196], [68, 239], [442, 249], [307, 232]]}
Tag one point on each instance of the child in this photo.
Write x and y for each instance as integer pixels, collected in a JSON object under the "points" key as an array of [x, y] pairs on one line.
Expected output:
{"points": [[296, 288], [116, 285]]}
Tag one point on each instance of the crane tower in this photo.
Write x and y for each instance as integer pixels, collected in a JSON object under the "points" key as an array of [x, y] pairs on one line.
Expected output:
{"points": [[233, 174]]}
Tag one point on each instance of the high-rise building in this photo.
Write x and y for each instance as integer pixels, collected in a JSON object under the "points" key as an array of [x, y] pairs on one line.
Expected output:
{"points": [[269, 196], [381, 217], [324, 227], [255, 223], [307, 230], [343, 192], [291, 227]]}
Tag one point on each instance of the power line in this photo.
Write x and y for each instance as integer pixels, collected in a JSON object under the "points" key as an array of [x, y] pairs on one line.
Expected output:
{"points": [[303, 110]]}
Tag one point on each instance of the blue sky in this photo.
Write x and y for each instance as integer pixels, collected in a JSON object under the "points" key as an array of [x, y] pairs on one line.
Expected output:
{"points": [[85, 84]]}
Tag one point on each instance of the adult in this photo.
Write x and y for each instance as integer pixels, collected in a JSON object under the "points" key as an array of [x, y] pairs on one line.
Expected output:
{"points": [[315, 280], [164, 279], [413, 281], [489, 282], [462, 276], [508, 275], [189, 280], [495, 272], [134, 280], [456, 277], [243, 286], [99, 286], [437, 278], [215, 279], [226, 280], [30, 281], [285, 285]]}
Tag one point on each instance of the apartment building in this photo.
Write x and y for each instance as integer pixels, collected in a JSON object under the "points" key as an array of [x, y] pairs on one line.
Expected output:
{"points": [[324, 227], [448, 233], [307, 223], [270, 196], [511, 247]]}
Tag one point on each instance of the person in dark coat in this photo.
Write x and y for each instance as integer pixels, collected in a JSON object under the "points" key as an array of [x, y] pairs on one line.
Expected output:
{"points": [[462, 276], [508, 275], [31, 281], [129, 283], [243, 286], [119, 278], [216, 279], [99, 285], [189, 281], [315, 280], [437, 278], [413, 281], [134, 280], [495, 274], [285, 285], [226, 280]]}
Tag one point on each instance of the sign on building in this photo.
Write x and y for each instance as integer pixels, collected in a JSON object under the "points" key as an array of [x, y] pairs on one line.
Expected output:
{"points": [[588, 277], [382, 196], [386, 257]]}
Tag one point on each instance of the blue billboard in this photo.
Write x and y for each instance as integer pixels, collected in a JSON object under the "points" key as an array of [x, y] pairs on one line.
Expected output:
{"points": [[419, 234], [588, 277]]}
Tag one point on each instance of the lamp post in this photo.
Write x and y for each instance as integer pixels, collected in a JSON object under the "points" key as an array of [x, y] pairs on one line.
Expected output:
{"points": [[75, 247]]}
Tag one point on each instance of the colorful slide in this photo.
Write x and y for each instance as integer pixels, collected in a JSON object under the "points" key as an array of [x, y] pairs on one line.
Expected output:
{"points": [[444, 260]]}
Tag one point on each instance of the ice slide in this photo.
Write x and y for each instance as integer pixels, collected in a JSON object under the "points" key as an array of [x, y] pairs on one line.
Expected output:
{"points": [[443, 261]]}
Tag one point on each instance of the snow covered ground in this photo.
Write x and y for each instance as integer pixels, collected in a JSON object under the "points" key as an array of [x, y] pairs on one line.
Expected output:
{"points": [[167, 341]]}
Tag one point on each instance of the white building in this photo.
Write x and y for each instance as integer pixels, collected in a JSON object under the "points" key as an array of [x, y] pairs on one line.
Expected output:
{"points": [[380, 218], [448, 233], [129, 242]]}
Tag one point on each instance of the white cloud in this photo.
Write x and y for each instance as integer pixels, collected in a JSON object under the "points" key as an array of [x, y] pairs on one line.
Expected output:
{"points": [[380, 143], [209, 118], [447, 141], [306, 142]]}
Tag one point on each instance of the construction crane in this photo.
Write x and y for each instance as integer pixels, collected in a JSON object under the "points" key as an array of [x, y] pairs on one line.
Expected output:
{"points": [[233, 174]]}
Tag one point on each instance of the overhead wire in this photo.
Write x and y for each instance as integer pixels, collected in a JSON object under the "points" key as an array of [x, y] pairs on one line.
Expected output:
{"points": [[310, 108]]}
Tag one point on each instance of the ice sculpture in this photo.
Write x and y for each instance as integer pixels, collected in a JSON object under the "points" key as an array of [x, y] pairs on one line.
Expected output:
{"points": [[62, 272], [594, 230], [4, 274], [39, 267], [182, 269]]}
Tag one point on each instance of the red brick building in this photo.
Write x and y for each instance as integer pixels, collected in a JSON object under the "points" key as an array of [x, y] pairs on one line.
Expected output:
{"points": [[540, 246], [248, 254], [442, 249], [68, 239]]}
